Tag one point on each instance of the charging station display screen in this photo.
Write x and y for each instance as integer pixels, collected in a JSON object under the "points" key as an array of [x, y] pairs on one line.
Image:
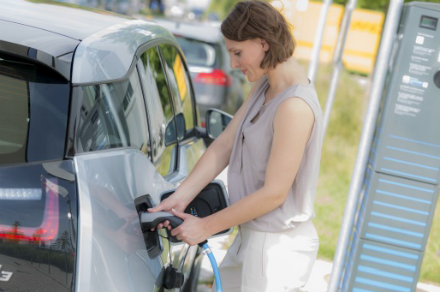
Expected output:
{"points": [[428, 22]]}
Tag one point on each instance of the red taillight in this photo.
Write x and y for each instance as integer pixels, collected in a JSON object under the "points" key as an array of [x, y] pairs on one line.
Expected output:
{"points": [[48, 228], [217, 77], [203, 124]]}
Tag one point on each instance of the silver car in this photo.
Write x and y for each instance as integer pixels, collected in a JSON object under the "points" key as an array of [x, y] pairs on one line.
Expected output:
{"points": [[98, 122], [216, 84]]}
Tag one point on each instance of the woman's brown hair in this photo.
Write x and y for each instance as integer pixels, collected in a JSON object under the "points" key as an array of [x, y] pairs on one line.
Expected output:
{"points": [[256, 19]]}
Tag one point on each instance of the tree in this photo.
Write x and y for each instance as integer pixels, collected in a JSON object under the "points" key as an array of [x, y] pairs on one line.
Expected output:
{"points": [[15, 231], [63, 240]]}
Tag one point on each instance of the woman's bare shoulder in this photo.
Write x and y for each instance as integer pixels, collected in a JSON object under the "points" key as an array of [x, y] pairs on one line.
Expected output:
{"points": [[294, 110]]}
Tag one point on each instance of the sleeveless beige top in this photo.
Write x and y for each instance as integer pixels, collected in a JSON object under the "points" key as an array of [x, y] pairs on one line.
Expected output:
{"points": [[250, 154]]}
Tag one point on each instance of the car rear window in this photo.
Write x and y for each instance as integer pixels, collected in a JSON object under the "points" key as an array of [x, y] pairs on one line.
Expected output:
{"points": [[198, 53], [33, 113]]}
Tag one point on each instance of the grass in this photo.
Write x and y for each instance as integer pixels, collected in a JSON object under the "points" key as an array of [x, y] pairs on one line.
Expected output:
{"points": [[337, 163], [338, 155]]}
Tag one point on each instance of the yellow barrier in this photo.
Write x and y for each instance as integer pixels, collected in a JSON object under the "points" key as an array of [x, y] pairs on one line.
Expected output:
{"points": [[362, 40]]}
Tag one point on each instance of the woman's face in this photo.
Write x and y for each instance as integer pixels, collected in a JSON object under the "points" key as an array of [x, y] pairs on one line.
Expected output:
{"points": [[247, 56]]}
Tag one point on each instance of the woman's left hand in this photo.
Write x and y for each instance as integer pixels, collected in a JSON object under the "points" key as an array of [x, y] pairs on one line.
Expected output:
{"points": [[192, 230]]}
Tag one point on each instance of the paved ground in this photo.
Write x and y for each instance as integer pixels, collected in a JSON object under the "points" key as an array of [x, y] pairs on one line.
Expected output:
{"points": [[318, 280]]}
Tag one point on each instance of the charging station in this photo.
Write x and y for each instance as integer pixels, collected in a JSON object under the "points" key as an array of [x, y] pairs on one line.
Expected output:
{"points": [[400, 190]]}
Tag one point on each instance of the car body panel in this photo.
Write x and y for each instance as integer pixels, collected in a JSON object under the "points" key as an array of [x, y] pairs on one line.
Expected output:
{"points": [[209, 95], [111, 249]]}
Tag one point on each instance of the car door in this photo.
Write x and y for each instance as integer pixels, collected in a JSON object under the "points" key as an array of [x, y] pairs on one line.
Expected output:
{"points": [[165, 114], [113, 167], [191, 148]]}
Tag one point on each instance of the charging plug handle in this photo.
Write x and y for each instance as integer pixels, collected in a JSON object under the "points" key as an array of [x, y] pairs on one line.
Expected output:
{"points": [[151, 220]]}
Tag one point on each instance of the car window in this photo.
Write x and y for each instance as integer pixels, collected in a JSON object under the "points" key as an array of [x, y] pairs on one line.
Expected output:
{"points": [[198, 53], [161, 116], [113, 115], [180, 89], [33, 113]]}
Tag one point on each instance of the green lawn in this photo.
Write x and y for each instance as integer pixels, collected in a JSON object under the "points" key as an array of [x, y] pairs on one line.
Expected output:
{"points": [[338, 158]]}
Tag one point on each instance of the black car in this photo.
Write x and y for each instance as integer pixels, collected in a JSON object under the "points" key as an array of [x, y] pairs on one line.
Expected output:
{"points": [[98, 122]]}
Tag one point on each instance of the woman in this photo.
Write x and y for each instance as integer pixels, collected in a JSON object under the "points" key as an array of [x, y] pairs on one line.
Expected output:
{"points": [[273, 149]]}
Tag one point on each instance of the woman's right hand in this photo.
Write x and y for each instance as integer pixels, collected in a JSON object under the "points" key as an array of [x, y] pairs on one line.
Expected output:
{"points": [[176, 202]]}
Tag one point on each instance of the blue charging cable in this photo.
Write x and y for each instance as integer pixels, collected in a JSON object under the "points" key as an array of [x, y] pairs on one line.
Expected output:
{"points": [[208, 252]]}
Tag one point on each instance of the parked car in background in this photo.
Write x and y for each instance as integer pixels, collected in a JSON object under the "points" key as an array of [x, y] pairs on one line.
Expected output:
{"points": [[216, 84], [98, 121]]}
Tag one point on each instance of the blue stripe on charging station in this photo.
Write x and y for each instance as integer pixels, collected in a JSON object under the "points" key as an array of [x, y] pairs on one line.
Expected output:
{"points": [[403, 197], [391, 251], [411, 163], [406, 186], [381, 273], [401, 208], [397, 230], [360, 290], [415, 141], [388, 262], [382, 285], [413, 152], [400, 219], [394, 241], [408, 174]]}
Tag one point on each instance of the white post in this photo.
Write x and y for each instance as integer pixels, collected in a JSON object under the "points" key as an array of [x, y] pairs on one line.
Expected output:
{"points": [[337, 61], [314, 59]]}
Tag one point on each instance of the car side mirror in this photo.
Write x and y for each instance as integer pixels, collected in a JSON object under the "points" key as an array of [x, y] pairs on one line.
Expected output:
{"points": [[216, 122], [170, 131]]}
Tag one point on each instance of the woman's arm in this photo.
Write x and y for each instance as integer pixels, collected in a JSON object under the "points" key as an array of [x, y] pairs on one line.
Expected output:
{"points": [[212, 162], [293, 124]]}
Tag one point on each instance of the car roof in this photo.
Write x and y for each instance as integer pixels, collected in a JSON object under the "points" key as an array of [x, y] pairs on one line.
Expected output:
{"points": [[73, 21], [200, 31], [101, 44], [110, 53]]}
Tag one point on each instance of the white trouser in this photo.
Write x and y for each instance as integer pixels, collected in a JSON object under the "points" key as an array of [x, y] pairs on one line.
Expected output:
{"points": [[269, 262]]}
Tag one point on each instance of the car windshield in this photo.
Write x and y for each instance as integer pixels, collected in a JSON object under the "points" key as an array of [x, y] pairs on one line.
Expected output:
{"points": [[198, 53], [33, 113]]}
